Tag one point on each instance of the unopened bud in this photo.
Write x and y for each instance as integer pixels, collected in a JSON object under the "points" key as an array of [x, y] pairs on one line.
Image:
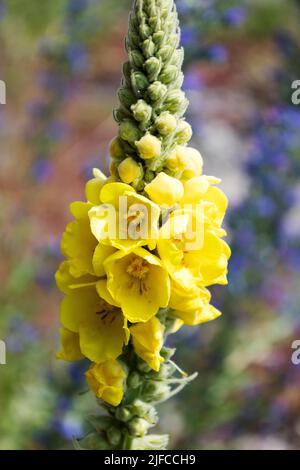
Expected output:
{"points": [[129, 131], [150, 442], [153, 68], [158, 37], [149, 147], [165, 52], [141, 111], [156, 391], [157, 91], [129, 170], [175, 101], [139, 81], [126, 97], [114, 435], [184, 132], [115, 149], [166, 123], [123, 414], [148, 47], [136, 58], [138, 427], [134, 380], [167, 353], [169, 74]]}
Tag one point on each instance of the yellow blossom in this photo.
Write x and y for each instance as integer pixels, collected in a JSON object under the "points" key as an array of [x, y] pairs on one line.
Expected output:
{"points": [[147, 339], [138, 282], [148, 147], [165, 190], [192, 258], [125, 219], [100, 326], [107, 381], [192, 305]]}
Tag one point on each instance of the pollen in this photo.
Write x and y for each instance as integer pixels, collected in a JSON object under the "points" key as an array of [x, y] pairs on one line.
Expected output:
{"points": [[138, 268]]}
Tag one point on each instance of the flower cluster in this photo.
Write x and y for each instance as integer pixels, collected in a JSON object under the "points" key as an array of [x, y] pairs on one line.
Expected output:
{"points": [[116, 284]]}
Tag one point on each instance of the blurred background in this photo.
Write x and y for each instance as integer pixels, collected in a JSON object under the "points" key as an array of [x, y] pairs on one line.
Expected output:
{"points": [[61, 62]]}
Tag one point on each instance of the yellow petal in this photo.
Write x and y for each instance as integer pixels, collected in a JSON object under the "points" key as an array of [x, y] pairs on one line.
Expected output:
{"points": [[70, 346], [147, 339], [107, 381]]}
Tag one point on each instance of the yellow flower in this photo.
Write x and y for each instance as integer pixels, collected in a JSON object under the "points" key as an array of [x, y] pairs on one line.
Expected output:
{"points": [[147, 340], [192, 258], [78, 243], [129, 170], [192, 305], [165, 190], [100, 326], [70, 346], [148, 147], [125, 219], [93, 186], [138, 282], [202, 189], [107, 381]]}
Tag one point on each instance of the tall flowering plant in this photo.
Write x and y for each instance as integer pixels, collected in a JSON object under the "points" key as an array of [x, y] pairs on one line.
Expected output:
{"points": [[144, 246]]}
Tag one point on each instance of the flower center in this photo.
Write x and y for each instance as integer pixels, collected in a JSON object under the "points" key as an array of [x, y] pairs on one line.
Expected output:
{"points": [[138, 268]]}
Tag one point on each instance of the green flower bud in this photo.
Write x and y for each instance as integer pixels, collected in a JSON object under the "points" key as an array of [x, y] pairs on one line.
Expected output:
{"points": [[142, 112], [166, 123], [184, 132], [165, 53], [168, 74], [156, 391], [136, 58], [166, 370], [133, 38], [126, 97], [115, 149], [148, 48], [157, 91], [134, 380], [176, 102], [129, 131], [123, 414], [139, 81], [138, 427], [144, 410], [114, 435], [153, 68], [145, 30], [177, 58], [150, 442], [158, 37]]}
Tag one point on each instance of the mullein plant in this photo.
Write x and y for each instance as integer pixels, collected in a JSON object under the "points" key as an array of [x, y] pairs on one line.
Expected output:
{"points": [[127, 290]]}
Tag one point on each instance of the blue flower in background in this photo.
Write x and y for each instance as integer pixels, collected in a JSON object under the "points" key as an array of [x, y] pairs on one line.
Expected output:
{"points": [[235, 16], [217, 53]]}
